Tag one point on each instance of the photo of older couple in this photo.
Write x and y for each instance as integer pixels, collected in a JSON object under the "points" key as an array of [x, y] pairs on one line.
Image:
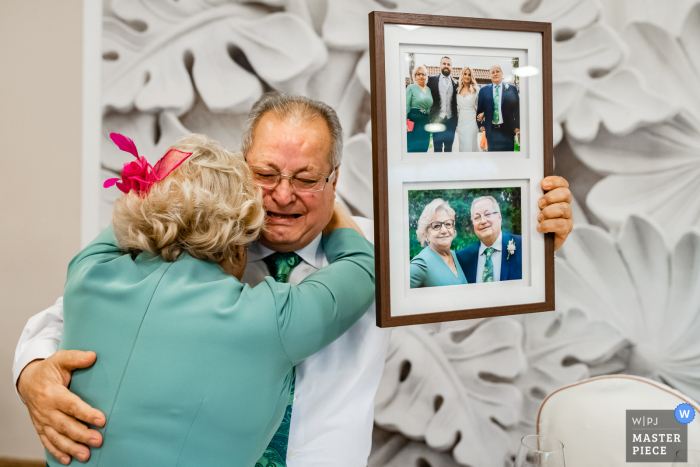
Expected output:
{"points": [[465, 236], [462, 103]]}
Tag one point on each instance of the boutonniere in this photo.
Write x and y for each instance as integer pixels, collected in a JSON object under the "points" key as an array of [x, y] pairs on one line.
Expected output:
{"points": [[506, 84], [511, 249]]}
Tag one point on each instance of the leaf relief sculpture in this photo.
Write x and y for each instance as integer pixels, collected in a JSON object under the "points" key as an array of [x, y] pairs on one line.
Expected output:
{"points": [[224, 51], [451, 389]]}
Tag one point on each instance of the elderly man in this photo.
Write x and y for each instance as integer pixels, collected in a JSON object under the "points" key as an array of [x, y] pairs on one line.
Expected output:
{"points": [[500, 104], [287, 138], [497, 256]]}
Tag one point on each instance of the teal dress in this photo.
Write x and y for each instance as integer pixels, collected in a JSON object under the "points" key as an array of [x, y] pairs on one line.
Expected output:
{"points": [[418, 104], [194, 368], [428, 269]]}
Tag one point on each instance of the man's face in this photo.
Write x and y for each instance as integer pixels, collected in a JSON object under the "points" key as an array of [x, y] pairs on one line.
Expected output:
{"points": [[446, 66], [496, 75], [489, 229], [293, 219]]}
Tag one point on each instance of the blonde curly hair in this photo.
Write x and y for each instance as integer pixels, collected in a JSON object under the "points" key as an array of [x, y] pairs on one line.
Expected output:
{"points": [[206, 207]]}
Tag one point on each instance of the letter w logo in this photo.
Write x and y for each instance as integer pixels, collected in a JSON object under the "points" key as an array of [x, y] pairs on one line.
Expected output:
{"points": [[685, 413]]}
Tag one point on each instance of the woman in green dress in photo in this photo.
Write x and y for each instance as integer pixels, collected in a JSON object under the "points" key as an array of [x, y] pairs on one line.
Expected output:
{"points": [[419, 100], [436, 264], [195, 368]]}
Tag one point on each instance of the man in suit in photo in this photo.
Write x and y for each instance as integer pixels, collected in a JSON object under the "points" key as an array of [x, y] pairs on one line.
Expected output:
{"points": [[444, 110], [500, 103], [497, 256]]}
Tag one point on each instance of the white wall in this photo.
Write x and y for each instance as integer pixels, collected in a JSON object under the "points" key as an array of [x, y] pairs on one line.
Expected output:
{"points": [[40, 167]]}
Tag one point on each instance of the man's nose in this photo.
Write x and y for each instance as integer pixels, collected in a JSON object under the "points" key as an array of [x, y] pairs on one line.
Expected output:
{"points": [[283, 193]]}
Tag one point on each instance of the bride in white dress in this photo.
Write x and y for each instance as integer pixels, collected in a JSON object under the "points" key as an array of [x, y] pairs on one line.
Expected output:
{"points": [[467, 97]]}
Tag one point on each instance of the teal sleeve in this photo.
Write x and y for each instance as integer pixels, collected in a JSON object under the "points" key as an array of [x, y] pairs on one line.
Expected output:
{"points": [[327, 303], [419, 271], [409, 98], [102, 249]]}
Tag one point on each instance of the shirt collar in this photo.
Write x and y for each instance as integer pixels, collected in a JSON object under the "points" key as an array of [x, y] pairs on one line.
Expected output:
{"points": [[312, 253], [497, 245]]}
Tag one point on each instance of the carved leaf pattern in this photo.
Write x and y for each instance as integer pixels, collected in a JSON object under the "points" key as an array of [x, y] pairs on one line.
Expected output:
{"points": [[561, 348], [148, 69], [394, 450], [646, 291], [354, 187], [441, 380], [654, 170]]}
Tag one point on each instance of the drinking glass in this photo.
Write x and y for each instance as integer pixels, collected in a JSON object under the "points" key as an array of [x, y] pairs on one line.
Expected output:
{"points": [[540, 451], [693, 459]]}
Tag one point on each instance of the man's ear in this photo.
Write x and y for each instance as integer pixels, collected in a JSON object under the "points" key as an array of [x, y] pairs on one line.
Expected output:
{"points": [[335, 180]]}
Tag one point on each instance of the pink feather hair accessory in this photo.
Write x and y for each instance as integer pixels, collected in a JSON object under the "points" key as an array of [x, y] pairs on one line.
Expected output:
{"points": [[139, 175]]}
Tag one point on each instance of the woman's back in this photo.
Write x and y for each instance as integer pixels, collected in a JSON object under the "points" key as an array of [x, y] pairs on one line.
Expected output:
{"points": [[193, 367]]}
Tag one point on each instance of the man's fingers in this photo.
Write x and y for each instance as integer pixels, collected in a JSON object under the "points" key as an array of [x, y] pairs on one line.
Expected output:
{"points": [[62, 457], [557, 226], [73, 359], [558, 195], [75, 430], [555, 211], [554, 181], [66, 445], [72, 405]]}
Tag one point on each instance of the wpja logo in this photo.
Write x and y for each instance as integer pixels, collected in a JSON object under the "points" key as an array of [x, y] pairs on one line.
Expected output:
{"points": [[657, 435]]}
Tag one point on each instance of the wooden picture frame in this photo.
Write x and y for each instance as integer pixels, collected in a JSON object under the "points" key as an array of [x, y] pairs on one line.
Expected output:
{"points": [[389, 143]]}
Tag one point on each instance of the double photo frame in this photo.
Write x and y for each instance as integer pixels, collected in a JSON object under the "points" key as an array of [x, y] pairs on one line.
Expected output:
{"points": [[462, 137]]}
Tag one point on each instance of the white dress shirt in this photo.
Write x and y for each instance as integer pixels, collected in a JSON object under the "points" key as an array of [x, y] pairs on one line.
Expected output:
{"points": [[495, 259], [333, 409], [445, 86], [500, 100]]}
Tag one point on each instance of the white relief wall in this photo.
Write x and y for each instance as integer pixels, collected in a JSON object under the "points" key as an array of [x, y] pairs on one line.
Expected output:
{"points": [[627, 136]]}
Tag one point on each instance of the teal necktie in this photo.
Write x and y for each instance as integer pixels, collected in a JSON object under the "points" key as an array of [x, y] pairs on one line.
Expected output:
{"points": [[280, 266], [487, 275], [496, 103]]}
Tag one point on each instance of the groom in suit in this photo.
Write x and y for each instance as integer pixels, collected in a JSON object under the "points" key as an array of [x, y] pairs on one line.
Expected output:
{"points": [[501, 104], [444, 110], [497, 256]]}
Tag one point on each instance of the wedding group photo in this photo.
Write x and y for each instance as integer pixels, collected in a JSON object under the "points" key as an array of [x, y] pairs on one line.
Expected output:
{"points": [[462, 103], [465, 236]]}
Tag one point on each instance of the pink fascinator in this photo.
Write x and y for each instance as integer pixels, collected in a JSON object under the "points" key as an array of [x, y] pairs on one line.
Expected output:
{"points": [[139, 175]]}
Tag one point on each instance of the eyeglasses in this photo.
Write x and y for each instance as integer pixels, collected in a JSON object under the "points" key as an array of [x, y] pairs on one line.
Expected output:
{"points": [[436, 226], [303, 182], [420, 74], [486, 217]]}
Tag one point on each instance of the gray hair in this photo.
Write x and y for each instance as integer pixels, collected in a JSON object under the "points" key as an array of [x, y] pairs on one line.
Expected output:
{"points": [[496, 206], [494, 66], [297, 110], [416, 71], [427, 217]]}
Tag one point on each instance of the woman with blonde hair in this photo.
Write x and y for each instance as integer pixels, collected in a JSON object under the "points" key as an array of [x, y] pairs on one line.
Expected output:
{"points": [[419, 100], [195, 368], [467, 99], [436, 264]]}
